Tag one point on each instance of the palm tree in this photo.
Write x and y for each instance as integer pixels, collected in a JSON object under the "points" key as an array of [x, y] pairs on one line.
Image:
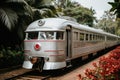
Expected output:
{"points": [[115, 7], [10, 11], [81, 14], [42, 9], [13, 15]]}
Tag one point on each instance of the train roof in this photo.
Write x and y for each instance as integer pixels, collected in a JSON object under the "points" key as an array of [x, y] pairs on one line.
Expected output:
{"points": [[58, 24], [47, 24]]}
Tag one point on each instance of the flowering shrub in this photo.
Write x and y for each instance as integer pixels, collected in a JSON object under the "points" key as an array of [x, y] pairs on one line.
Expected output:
{"points": [[107, 68]]}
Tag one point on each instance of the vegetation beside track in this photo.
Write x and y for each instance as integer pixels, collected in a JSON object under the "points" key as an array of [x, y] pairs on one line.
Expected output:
{"points": [[9, 58]]}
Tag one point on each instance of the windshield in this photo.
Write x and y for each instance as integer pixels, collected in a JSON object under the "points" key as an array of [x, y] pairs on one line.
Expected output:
{"points": [[51, 35], [32, 35], [58, 35], [46, 35]]}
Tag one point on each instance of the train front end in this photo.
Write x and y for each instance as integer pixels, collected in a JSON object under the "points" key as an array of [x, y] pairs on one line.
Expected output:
{"points": [[44, 48]]}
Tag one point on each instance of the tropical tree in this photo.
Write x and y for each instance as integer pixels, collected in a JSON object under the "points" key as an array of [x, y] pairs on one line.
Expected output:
{"points": [[75, 10], [107, 22], [42, 9], [81, 14], [116, 9], [12, 15], [10, 11]]}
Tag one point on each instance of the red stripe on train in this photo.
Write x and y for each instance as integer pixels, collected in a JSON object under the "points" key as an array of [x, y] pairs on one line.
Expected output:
{"points": [[57, 55], [26, 50], [44, 40], [53, 50]]}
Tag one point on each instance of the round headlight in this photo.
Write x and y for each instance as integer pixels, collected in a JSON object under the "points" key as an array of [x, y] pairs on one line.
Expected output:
{"points": [[37, 47]]}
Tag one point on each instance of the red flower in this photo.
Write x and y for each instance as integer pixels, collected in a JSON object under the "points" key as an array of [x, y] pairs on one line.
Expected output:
{"points": [[106, 69]]}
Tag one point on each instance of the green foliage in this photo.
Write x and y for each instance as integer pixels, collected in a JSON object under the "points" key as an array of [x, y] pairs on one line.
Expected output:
{"points": [[9, 57], [81, 14], [115, 7], [74, 9], [107, 23], [44, 11], [43, 8], [10, 11]]}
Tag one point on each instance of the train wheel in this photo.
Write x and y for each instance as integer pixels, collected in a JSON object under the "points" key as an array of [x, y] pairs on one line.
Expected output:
{"points": [[41, 64]]}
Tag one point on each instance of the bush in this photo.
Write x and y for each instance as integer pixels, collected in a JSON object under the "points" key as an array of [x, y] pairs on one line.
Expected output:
{"points": [[107, 68], [9, 57]]}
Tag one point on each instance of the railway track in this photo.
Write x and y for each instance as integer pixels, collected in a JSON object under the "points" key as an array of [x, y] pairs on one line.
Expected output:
{"points": [[4, 70], [31, 77], [13, 73]]}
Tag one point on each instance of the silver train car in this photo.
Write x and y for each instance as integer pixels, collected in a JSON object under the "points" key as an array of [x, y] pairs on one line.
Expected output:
{"points": [[52, 43]]}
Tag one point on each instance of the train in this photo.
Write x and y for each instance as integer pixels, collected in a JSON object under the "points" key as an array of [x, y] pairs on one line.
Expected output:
{"points": [[52, 43]]}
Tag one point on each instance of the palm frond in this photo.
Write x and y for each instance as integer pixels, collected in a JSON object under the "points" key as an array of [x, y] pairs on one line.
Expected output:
{"points": [[45, 12], [8, 17], [21, 5], [18, 1]]}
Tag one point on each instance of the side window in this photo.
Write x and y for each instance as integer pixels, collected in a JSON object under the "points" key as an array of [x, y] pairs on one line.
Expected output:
{"points": [[81, 36], [75, 35], [94, 37], [86, 37], [91, 37], [59, 35], [51, 35], [32, 35]]}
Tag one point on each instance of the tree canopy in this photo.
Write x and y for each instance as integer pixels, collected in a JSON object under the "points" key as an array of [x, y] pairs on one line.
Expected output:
{"points": [[16, 15], [107, 23], [82, 14], [10, 11], [116, 9]]}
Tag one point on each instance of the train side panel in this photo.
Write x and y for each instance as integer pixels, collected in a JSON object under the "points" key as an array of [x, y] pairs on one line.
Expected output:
{"points": [[85, 43]]}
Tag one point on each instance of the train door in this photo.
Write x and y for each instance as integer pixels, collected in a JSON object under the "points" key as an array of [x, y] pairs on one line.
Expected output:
{"points": [[68, 45]]}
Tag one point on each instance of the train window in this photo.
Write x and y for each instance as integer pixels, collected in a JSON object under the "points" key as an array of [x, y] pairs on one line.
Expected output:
{"points": [[42, 35], [59, 35], [49, 35], [46, 35], [91, 37], [94, 37], [87, 37], [32, 35], [81, 36], [97, 37], [102, 38], [75, 35]]}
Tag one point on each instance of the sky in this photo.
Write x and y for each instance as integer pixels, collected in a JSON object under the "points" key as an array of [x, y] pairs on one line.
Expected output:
{"points": [[98, 5]]}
